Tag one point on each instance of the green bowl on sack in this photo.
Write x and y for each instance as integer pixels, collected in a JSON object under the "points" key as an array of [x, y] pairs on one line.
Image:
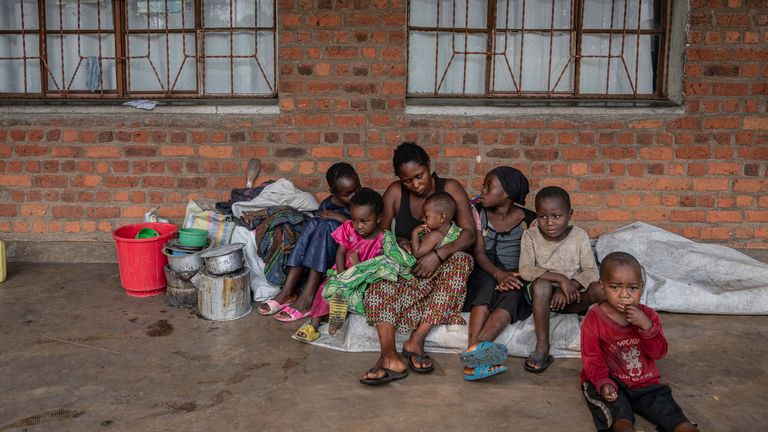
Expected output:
{"points": [[146, 233], [193, 237]]}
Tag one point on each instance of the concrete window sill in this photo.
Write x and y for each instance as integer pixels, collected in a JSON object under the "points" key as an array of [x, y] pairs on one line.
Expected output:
{"points": [[510, 111], [117, 108]]}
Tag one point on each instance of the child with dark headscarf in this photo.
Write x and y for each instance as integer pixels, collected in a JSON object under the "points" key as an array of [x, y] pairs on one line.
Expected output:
{"points": [[494, 295]]}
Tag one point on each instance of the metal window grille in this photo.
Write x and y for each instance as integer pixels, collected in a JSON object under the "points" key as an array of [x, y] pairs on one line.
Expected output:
{"points": [[57, 49], [568, 49]]}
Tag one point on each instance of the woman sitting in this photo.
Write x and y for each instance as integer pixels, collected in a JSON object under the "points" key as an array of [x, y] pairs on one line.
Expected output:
{"points": [[436, 294]]}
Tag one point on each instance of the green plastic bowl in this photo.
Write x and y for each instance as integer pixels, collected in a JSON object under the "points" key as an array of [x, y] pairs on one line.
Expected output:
{"points": [[193, 237], [146, 233]]}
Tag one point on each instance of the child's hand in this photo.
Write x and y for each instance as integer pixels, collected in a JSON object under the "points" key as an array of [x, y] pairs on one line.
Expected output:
{"points": [[507, 281], [570, 289], [354, 257], [608, 392], [558, 301], [424, 229], [637, 318]]}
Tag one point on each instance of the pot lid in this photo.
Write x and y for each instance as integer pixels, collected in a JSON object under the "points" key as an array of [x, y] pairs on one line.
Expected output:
{"points": [[222, 250]]}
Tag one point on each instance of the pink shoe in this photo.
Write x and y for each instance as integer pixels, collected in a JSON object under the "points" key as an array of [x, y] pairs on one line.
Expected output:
{"points": [[274, 307], [293, 314]]}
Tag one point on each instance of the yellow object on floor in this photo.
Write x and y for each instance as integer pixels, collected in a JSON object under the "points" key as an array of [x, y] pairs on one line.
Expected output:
{"points": [[306, 333]]}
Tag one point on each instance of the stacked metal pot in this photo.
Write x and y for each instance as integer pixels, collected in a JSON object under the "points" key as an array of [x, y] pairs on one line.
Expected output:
{"points": [[223, 288], [183, 263]]}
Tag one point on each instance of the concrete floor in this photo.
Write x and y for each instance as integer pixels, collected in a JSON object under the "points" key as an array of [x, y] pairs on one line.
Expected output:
{"points": [[80, 355]]}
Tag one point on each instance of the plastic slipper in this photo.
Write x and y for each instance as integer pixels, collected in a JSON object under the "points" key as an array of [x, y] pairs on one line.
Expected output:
{"points": [[485, 353], [419, 358], [274, 307], [482, 372], [293, 315], [541, 360], [389, 375], [306, 333], [338, 312]]}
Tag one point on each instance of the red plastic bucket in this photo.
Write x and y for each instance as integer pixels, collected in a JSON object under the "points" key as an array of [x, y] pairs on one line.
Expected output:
{"points": [[141, 261]]}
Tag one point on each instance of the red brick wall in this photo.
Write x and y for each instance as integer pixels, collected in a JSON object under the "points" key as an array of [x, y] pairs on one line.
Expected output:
{"points": [[342, 74]]}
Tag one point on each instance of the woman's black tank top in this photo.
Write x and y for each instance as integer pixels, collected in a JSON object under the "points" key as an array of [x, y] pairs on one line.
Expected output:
{"points": [[404, 220]]}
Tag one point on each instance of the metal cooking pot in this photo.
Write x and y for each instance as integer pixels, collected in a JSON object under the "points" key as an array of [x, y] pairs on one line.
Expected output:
{"points": [[224, 259], [183, 263]]}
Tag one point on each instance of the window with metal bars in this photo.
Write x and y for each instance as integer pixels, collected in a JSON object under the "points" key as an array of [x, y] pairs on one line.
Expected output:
{"points": [[537, 49], [66, 49]]}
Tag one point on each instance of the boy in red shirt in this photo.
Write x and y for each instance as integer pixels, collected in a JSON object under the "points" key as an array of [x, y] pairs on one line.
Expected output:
{"points": [[621, 340]]}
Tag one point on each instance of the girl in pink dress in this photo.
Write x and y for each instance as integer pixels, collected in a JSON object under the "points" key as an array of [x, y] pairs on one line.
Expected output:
{"points": [[359, 240]]}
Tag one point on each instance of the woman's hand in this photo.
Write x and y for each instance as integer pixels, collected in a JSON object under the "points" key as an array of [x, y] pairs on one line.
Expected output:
{"points": [[426, 265], [330, 214], [405, 245]]}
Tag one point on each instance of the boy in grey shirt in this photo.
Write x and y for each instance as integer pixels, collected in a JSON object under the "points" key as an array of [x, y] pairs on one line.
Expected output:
{"points": [[557, 258]]}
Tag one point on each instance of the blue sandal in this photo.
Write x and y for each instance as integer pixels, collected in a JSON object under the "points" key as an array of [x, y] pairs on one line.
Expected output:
{"points": [[485, 353], [483, 372]]}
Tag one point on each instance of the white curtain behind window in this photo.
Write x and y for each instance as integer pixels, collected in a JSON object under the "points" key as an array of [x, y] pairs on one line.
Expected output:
{"points": [[158, 65], [547, 57], [12, 72]]}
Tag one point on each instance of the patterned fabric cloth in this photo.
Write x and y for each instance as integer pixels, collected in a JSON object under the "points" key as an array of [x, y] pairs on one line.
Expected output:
{"points": [[393, 263], [451, 236], [406, 303], [315, 248], [276, 230]]}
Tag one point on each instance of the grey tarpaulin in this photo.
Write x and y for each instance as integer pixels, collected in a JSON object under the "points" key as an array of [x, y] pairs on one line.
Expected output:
{"points": [[689, 277]]}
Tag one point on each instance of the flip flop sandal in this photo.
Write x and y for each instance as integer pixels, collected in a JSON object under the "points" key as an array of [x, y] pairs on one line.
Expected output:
{"points": [[482, 372], [419, 358], [543, 362], [293, 315], [337, 306], [306, 334], [485, 353], [274, 307], [389, 375]]}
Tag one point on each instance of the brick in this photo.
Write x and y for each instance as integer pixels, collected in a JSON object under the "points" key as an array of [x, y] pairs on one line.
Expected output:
{"points": [[67, 212], [723, 168], [541, 154], [579, 153], [174, 151], [756, 123], [8, 210], [346, 121], [217, 152], [692, 152], [103, 152], [142, 151], [327, 152], [312, 120], [756, 216], [673, 184]]}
